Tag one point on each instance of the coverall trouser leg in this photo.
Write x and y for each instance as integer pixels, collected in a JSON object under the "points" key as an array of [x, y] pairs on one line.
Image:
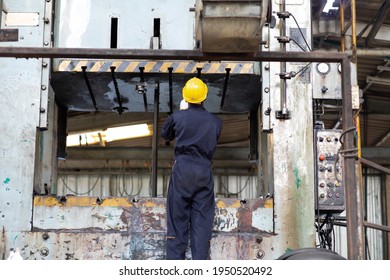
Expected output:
{"points": [[190, 207]]}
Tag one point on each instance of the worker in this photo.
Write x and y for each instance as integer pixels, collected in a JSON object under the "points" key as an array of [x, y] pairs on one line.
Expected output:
{"points": [[190, 198]]}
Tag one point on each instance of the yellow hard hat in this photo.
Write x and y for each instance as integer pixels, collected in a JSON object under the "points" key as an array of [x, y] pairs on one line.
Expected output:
{"points": [[195, 91]]}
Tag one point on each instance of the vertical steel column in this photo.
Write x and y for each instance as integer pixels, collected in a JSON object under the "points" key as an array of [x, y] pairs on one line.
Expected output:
{"points": [[170, 70], [355, 238], [155, 139]]}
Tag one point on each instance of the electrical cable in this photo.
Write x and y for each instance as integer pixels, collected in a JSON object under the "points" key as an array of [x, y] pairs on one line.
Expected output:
{"points": [[300, 31], [302, 69], [239, 192], [302, 48], [87, 192], [343, 153], [326, 233]]}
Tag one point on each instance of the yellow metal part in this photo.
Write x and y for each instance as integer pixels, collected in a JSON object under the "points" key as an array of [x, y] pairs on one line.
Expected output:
{"points": [[46, 201], [269, 203], [179, 67], [80, 201]]}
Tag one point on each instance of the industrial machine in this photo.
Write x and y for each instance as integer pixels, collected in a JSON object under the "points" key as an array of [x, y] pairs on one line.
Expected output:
{"points": [[83, 69]]}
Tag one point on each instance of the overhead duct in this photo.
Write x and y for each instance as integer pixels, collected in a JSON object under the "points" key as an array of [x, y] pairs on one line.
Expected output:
{"points": [[225, 26]]}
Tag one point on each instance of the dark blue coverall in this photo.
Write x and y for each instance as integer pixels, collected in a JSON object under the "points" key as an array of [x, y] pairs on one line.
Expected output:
{"points": [[190, 199]]}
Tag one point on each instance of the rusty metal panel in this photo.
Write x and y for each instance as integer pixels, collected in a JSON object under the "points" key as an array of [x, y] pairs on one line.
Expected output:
{"points": [[91, 214], [118, 246], [243, 246], [128, 214], [128, 228]]}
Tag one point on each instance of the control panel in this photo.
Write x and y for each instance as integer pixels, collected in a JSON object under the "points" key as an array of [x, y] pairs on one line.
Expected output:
{"points": [[330, 191]]}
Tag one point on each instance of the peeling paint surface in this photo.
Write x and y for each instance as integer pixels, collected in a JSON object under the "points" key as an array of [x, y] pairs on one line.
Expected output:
{"points": [[74, 228], [143, 216], [226, 219], [262, 219], [97, 218], [42, 245]]}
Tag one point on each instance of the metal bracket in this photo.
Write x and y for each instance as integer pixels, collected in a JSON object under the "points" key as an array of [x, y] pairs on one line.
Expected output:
{"points": [[266, 99], [283, 114], [46, 66]]}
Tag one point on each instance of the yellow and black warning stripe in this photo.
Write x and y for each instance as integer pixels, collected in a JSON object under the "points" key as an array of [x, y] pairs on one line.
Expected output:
{"points": [[181, 67]]}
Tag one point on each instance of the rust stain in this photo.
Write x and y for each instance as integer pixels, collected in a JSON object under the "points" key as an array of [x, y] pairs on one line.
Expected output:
{"points": [[150, 204], [99, 217], [2, 244], [244, 218]]}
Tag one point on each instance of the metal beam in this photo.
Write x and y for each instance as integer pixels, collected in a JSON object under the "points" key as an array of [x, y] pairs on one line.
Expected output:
{"points": [[383, 68], [354, 213], [383, 139], [86, 166], [93, 53], [375, 166], [379, 81], [86, 153], [376, 153], [379, 19]]}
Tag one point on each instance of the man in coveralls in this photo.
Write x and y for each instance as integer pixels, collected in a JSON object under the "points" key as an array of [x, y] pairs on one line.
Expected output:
{"points": [[190, 199]]}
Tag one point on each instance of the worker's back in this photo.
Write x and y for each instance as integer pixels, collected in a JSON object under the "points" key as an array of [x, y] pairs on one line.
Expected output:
{"points": [[196, 132]]}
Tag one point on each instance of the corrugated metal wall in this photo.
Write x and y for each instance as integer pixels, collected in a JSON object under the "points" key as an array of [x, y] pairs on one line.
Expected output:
{"points": [[374, 214], [372, 199]]}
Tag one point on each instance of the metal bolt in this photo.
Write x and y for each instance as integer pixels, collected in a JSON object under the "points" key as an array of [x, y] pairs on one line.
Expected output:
{"points": [[44, 251], [266, 89], [46, 43], [42, 110], [260, 254], [266, 67], [43, 87], [45, 236], [44, 64], [46, 20]]}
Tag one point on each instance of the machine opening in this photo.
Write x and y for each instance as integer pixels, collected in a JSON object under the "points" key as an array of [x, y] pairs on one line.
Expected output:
{"points": [[114, 33]]}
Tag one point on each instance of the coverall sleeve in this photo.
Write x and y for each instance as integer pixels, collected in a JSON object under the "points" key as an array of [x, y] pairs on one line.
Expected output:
{"points": [[168, 129]]}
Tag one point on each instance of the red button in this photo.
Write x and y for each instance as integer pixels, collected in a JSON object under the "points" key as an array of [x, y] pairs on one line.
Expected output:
{"points": [[322, 157]]}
